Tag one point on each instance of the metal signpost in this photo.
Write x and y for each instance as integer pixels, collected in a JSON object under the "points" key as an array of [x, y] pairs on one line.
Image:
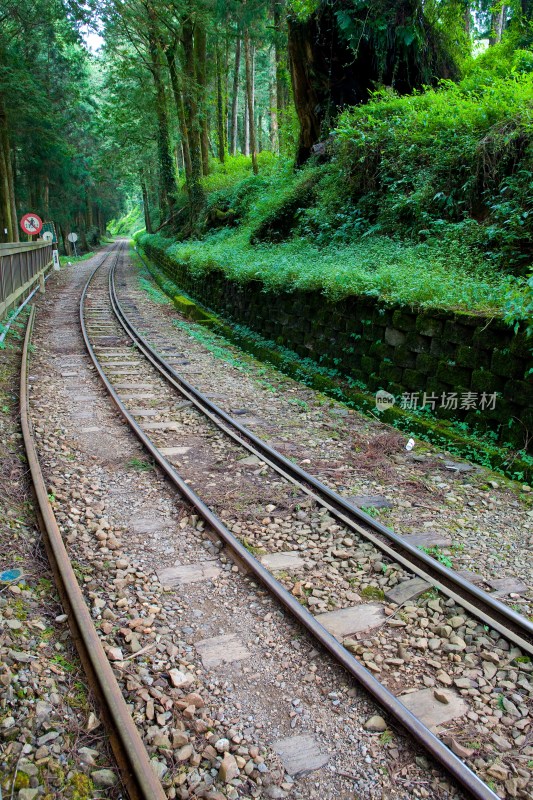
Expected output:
{"points": [[50, 235], [73, 237], [31, 224]]}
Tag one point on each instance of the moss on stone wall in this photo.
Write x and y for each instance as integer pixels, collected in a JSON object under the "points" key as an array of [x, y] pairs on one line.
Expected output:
{"points": [[406, 351]]}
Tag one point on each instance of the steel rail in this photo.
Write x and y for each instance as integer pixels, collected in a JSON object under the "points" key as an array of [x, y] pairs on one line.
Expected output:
{"points": [[132, 758], [481, 604], [432, 744]]}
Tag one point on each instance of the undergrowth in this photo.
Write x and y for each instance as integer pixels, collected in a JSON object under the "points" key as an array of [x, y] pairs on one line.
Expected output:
{"points": [[423, 200], [411, 273]]}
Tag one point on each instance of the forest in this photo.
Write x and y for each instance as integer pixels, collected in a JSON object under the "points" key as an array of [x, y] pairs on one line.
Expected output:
{"points": [[361, 147]]}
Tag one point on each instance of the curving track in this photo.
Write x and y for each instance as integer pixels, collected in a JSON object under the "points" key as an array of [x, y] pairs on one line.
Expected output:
{"points": [[100, 310]]}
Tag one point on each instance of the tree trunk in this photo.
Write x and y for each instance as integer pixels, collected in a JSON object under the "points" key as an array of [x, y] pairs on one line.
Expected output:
{"points": [[497, 25], [304, 89], [167, 182], [82, 236], [235, 98], [6, 225], [280, 59], [250, 99], [274, 127], [200, 46], [170, 54], [194, 183], [8, 211], [90, 215], [245, 128], [467, 18], [146, 209], [66, 244], [220, 110]]}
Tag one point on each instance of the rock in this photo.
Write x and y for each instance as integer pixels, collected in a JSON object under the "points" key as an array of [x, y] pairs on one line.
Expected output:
{"points": [[179, 739], [194, 699], [501, 742], [441, 696], [487, 655], [489, 670], [228, 769], [161, 740], [511, 708], [88, 755], [498, 771], [252, 461], [375, 724], [159, 767], [179, 678], [103, 778], [274, 792], [115, 654], [92, 722], [27, 794], [222, 745], [444, 678], [48, 737], [460, 750], [184, 753]]}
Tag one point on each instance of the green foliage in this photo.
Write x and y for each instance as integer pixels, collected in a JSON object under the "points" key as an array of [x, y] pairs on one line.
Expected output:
{"points": [[454, 162], [372, 593], [236, 169], [48, 93], [518, 304], [424, 200], [423, 273], [140, 465], [436, 553], [128, 224]]}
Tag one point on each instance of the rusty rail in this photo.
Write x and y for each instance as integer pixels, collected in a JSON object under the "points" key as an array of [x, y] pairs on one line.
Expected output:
{"points": [[132, 758]]}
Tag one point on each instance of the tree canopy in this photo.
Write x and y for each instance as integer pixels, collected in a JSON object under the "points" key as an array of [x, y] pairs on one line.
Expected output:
{"points": [[180, 85]]}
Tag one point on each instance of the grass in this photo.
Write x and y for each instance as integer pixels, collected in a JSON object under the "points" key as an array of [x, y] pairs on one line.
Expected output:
{"points": [[140, 465], [436, 553], [255, 551], [372, 593], [422, 274], [65, 260]]}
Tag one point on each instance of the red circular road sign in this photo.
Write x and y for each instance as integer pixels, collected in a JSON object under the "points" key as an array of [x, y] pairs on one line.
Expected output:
{"points": [[31, 223]]}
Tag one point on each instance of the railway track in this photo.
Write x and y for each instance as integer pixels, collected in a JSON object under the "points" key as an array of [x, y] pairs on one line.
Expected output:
{"points": [[132, 758], [115, 350]]}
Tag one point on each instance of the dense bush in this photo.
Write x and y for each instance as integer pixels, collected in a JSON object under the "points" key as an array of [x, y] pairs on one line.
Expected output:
{"points": [[458, 156]]}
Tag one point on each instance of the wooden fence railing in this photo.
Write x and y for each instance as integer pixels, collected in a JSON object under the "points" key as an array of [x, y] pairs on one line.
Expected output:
{"points": [[22, 265]]}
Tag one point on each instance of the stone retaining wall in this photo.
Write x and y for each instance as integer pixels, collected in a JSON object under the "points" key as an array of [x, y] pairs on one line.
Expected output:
{"points": [[407, 352]]}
